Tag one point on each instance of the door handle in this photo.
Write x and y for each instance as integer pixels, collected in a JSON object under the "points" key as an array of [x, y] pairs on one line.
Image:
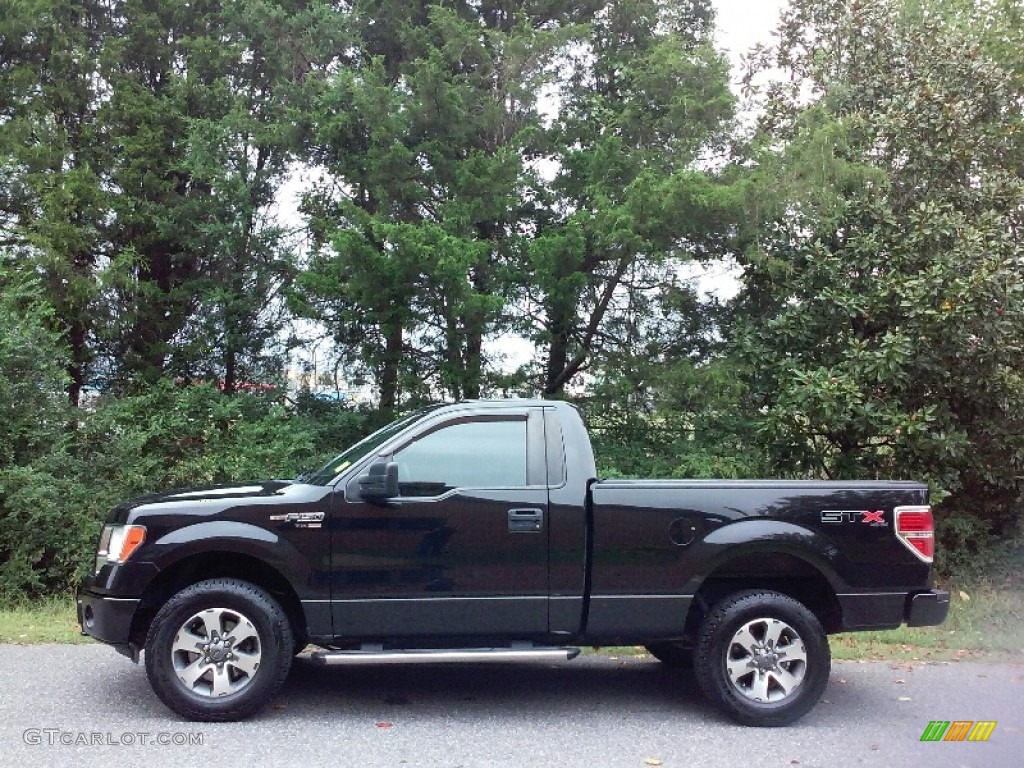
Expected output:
{"points": [[528, 520]]}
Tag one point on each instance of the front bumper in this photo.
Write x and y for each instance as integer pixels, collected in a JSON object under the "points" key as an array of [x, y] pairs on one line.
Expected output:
{"points": [[108, 619], [927, 609]]}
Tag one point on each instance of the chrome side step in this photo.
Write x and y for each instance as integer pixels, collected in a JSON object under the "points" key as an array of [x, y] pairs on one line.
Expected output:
{"points": [[375, 655]]}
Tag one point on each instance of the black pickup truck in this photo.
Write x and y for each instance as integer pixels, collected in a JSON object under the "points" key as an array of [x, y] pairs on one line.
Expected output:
{"points": [[479, 531]]}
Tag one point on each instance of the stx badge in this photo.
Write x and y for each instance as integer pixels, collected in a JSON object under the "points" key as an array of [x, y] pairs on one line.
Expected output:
{"points": [[873, 517]]}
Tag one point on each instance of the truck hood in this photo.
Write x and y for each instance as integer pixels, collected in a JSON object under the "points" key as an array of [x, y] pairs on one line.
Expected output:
{"points": [[211, 497]]}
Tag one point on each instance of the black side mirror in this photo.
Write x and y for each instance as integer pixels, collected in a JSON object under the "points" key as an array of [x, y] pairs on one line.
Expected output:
{"points": [[381, 482]]}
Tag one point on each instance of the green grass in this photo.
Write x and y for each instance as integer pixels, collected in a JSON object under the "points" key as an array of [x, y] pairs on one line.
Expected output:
{"points": [[982, 625], [51, 620]]}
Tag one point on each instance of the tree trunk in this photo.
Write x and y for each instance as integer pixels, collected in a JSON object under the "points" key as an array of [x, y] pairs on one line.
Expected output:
{"points": [[389, 366], [76, 335], [558, 357]]}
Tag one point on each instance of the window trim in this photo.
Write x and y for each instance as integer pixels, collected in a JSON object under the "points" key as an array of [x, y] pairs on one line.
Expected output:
{"points": [[476, 417], [554, 446], [535, 446]]}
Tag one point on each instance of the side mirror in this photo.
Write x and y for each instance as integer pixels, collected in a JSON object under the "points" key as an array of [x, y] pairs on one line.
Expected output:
{"points": [[381, 482]]}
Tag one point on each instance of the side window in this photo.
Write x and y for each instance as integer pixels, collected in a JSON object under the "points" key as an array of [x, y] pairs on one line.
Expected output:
{"points": [[475, 454]]}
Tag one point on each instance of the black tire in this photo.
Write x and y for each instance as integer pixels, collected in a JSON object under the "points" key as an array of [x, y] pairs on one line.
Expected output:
{"points": [[269, 631], [717, 645], [672, 655]]}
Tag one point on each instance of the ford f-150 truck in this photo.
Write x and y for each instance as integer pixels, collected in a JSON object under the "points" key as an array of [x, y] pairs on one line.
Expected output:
{"points": [[479, 531]]}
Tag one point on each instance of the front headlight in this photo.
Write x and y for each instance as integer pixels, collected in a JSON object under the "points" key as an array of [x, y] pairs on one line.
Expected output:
{"points": [[118, 542]]}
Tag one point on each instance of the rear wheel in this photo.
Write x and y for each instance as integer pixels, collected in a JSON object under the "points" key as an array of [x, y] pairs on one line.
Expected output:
{"points": [[763, 658], [218, 650]]}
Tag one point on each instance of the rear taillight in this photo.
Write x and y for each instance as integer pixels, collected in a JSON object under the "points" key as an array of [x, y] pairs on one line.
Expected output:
{"points": [[916, 529]]}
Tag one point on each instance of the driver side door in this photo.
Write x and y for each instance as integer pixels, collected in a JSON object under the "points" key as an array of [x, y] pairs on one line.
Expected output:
{"points": [[462, 551]]}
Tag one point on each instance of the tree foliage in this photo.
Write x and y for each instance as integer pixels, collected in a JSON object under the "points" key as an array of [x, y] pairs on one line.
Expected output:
{"points": [[478, 175], [883, 313], [440, 221], [143, 147]]}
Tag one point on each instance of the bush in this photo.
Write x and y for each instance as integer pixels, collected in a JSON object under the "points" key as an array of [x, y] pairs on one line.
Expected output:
{"points": [[52, 507]]}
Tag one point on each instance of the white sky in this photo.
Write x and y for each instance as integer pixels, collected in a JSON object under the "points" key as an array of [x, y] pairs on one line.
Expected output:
{"points": [[744, 23]]}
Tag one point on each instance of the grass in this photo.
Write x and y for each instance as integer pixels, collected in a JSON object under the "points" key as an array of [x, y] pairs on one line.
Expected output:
{"points": [[982, 625], [51, 620]]}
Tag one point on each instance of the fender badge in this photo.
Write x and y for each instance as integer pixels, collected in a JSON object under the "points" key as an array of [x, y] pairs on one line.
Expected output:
{"points": [[300, 519], [873, 517]]}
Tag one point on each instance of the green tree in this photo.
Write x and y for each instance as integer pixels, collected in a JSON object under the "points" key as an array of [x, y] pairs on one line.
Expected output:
{"points": [[883, 314], [644, 99], [53, 151], [200, 126], [32, 369], [424, 141], [439, 223], [141, 149]]}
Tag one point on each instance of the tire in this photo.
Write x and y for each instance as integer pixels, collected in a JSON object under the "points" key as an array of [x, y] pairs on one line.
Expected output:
{"points": [[219, 650], [672, 655], [782, 645]]}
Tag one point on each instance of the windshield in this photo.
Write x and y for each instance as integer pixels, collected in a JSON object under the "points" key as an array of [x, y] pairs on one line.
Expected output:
{"points": [[364, 447]]}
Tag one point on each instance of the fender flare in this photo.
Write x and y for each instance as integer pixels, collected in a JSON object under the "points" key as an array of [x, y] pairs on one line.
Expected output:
{"points": [[759, 536], [233, 537]]}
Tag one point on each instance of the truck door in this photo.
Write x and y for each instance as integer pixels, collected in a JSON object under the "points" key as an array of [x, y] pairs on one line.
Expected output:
{"points": [[464, 549]]}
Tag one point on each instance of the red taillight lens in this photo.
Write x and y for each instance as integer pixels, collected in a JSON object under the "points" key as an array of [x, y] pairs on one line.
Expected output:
{"points": [[916, 529]]}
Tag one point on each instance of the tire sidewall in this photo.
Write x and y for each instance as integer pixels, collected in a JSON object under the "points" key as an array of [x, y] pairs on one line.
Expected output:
{"points": [[713, 646], [275, 639]]}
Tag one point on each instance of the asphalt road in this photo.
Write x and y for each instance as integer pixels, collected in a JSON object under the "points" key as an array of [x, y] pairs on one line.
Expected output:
{"points": [[595, 712]]}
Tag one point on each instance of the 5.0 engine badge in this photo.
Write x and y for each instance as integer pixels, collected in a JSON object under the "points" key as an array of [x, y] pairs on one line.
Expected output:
{"points": [[300, 519]]}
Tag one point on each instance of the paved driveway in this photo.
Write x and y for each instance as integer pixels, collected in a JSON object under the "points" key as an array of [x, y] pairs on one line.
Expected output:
{"points": [[55, 701]]}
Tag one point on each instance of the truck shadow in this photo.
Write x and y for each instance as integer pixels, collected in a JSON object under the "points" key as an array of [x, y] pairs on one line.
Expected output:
{"points": [[572, 691], [586, 685]]}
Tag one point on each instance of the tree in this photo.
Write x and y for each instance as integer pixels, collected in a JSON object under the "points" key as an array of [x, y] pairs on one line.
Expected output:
{"points": [[883, 314], [646, 97], [425, 140], [442, 220], [259, 55], [143, 147], [52, 153], [199, 121], [32, 369]]}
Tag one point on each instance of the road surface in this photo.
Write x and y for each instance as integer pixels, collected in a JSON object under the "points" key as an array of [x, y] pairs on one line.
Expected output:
{"points": [[85, 705]]}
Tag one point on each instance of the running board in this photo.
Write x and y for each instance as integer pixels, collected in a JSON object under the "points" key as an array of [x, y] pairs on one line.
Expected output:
{"points": [[374, 655]]}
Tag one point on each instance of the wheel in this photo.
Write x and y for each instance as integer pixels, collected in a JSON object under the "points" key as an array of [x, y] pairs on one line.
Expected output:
{"points": [[672, 655], [218, 650], [763, 658]]}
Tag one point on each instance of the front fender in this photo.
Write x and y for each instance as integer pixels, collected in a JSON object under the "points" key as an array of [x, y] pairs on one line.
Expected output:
{"points": [[232, 537]]}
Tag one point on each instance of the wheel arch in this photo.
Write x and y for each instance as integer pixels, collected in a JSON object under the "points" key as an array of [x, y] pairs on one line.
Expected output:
{"points": [[760, 565], [211, 564]]}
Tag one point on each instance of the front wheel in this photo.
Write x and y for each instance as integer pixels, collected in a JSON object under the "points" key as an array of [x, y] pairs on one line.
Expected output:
{"points": [[763, 658], [218, 650]]}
